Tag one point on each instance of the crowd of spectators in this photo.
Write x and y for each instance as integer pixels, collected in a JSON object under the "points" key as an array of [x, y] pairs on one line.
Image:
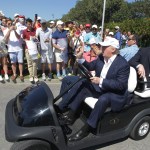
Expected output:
{"points": [[53, 44]]}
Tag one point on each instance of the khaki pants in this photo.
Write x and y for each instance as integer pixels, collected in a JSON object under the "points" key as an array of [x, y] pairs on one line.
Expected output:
{"points": [[32, 65]]}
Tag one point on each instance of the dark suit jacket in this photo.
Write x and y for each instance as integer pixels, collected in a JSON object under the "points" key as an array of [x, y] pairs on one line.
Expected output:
{"points": [[116, 81], [142, 57]]}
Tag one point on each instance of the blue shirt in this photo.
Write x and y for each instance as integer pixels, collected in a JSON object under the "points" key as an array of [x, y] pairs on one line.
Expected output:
{"points": [[87, 38], [118, 36], [60, 38], [129, 52]]}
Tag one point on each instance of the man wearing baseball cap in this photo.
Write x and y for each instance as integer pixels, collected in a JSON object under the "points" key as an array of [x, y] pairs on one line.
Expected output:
{"points": [[52, 26], [118, 35], [45, 35], [93, 34], [109, 86], [60, 44]]}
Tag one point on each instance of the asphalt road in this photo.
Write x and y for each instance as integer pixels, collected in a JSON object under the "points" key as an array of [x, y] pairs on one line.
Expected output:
{"points": [[9, 90]]}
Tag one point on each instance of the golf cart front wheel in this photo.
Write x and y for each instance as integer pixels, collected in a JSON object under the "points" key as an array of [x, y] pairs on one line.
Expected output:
{"points": [[31, 145], [141, 129]]}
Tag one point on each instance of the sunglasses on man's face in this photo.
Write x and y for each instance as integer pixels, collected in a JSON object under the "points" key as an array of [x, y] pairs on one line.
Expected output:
{"points": [[129, 39], [94, 29], [9, 24]]}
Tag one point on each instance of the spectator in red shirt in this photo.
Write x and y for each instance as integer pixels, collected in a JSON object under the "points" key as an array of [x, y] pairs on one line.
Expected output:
{"points": [[90, 55], [28, 35]]}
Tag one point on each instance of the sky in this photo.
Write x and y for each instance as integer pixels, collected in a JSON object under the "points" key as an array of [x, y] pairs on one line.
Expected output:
{"points": [[47, 9]]}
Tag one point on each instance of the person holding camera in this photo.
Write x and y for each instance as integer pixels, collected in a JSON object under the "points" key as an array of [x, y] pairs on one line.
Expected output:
{"points": [[12, 39]]}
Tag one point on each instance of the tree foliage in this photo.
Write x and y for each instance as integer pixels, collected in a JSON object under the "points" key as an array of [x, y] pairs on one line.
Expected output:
{"points": [[116, 11], [134, 17]]}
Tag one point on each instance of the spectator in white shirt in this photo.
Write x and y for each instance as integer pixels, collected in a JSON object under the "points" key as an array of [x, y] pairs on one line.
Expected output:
{"points": [[45, 35], [12, 37]]}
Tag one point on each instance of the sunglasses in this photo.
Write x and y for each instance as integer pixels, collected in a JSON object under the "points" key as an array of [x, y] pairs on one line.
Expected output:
{"points": [[9, 23], [94, 29], [129, 39]]}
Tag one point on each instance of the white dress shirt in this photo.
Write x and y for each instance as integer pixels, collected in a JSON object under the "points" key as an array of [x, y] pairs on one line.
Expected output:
{"points": [[107, 64]]}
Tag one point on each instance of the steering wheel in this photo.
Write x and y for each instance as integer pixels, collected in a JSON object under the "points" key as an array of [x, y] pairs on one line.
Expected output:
{"points": [[87, 74]]}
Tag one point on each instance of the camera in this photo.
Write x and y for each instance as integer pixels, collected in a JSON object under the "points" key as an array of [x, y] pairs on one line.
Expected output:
{"points": [[36, 15]]}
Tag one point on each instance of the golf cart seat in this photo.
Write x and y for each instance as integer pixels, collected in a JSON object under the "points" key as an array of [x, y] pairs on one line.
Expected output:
{"points": [[145, 92], [132, 83]]}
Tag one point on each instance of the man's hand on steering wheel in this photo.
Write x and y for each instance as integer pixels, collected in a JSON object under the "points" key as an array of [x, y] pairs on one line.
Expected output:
{"points": [[87, 74], [95, 80]]}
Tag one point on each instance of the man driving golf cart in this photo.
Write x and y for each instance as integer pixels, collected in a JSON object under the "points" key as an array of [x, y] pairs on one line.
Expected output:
{"points": [[109, 86]]}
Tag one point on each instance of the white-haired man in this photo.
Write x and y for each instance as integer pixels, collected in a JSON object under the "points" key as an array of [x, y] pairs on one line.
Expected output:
{"points": [[109, 85]]}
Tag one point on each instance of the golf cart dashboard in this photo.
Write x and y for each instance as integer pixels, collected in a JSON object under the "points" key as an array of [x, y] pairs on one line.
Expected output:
{"points": [[29, 110]]}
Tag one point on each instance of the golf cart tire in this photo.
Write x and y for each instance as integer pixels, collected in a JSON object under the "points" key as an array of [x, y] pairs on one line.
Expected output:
{"points": [[31, 145], [141, 129]]}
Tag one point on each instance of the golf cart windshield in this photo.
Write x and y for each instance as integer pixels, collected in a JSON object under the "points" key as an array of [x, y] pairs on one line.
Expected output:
{"points": [[32, 106]]}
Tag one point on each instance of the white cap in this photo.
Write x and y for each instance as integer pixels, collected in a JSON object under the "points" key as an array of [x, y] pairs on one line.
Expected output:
{"points": [[94, 26], [51, 22], [15, 15], [43, 21], [92, 41], [1, 13], [111, 33], [38, 18], [21, 19], [100, 27], [109, 41], [59, 22], [117, 27]]}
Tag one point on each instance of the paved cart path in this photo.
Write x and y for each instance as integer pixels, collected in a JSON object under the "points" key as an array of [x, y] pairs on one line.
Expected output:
{"points": [[9, 90]]}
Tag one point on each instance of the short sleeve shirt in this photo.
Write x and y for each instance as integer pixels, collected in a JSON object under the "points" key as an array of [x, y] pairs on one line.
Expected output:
{"points": [[14, 44], [43, 35], [60, 38]]}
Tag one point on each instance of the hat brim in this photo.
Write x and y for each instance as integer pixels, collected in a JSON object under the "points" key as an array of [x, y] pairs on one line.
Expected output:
{"points": [[104, 43], [60, 24]]}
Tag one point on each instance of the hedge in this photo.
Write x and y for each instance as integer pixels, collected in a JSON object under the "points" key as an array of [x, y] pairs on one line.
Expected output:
{"points": [[140, 27]]}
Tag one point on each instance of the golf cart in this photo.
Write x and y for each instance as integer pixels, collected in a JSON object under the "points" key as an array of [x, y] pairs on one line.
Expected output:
{"points": [[32, 121]]}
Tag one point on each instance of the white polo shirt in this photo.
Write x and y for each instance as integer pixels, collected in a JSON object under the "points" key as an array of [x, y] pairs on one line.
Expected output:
{"points": [[14, 44], [43, 35]]}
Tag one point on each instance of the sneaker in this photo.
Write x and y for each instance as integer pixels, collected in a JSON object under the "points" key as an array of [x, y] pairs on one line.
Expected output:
{"points": [[1, 79], [22, 78], [13, 78], [6, 77], [64, 76], [60, 78], [43, 77], [31, 79], [36, 79], [49, 76], [69, 74]]}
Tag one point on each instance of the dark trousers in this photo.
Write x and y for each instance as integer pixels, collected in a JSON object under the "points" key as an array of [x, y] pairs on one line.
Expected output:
{"points": [[77, 94], [67, 98], [102, 104]]}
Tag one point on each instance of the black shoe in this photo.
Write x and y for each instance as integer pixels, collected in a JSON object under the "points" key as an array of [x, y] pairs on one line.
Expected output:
{"points": [[83, 132], [69, 120], [66, 129]]}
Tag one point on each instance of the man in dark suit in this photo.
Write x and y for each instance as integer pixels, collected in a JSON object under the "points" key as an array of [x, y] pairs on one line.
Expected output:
{"points": [[109, 86], [141, 62]]}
